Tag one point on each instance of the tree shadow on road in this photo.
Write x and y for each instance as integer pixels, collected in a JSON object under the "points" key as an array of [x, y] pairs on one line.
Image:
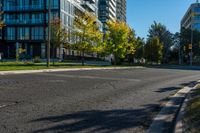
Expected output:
{"points": [[173, 88], [174, 67], [107, 121], [161, 90]]}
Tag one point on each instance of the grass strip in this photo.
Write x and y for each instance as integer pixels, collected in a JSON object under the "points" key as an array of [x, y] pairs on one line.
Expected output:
{"points": [[192, 115]]}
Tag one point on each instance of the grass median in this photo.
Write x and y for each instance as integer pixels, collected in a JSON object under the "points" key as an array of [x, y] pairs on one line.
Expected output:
{"points": [[192, 115]]}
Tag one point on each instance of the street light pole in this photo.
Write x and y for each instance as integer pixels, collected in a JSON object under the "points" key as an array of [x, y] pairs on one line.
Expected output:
{"points": [[179, 54], [191, 52], [49, 34]]}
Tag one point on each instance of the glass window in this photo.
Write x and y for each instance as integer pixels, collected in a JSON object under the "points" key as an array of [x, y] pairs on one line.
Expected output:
{"points": [[37, 33], [23, 33], [197, 9], [10, 33]]}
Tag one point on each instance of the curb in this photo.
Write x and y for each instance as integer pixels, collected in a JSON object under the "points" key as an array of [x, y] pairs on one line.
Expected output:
{"points": [[63, 70], [164, 122], [179, 127]]}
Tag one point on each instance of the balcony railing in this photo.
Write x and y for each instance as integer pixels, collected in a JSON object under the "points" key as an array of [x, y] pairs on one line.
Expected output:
{"points": [[39, 21], [22, 8], [27, 8]]}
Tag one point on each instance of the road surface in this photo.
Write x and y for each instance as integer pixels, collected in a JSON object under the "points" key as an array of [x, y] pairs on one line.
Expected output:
{"points": [[102, 101]]}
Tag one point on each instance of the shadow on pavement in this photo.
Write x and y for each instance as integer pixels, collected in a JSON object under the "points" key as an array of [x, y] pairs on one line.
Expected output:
{"points": [[99, 121], [109, 121], [172, 89], [176, 67], [161, 90]]}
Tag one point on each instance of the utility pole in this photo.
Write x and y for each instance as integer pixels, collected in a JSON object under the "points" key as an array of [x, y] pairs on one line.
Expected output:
{"points": [[49, 34]]}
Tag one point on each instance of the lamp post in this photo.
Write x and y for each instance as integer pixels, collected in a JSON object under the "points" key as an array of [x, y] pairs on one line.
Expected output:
{"points": [[49, 34], [191, 48]]}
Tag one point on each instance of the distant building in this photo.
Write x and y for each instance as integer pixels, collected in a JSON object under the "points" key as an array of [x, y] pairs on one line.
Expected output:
{"points": [[191, 19], [121, 10], [107, 11]]}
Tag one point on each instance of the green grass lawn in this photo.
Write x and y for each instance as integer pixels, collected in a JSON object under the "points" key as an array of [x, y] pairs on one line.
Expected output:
{"points": [[9, 66], [192, 115]]}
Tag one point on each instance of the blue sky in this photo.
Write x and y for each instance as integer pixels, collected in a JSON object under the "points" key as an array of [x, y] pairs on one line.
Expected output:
{"points": [[142, 13]]}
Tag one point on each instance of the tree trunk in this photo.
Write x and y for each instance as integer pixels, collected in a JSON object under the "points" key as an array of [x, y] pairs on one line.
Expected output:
{"points": [[83, 59], [53, 56], [115, 60]]}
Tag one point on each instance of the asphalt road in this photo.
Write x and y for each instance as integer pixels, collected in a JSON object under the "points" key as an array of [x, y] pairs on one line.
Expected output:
{"points": [[105, 101]]}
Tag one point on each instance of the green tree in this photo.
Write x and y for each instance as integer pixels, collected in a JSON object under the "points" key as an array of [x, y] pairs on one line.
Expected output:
{"points": [[153, 50], [175, 50], [118, 43], [131, 46], [59, 37], [87, 34], [139, 48], [160, 30]]}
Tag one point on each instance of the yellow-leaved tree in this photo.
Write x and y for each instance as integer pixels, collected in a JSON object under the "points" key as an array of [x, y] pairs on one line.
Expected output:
{"points": [[1, 21], [120, 40], [87, 34]]}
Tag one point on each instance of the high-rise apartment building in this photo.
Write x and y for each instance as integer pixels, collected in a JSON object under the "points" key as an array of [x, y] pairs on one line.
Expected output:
{"points": [[107, 11], [27, 23], [191, 19], [121, 10], [114, 10]]}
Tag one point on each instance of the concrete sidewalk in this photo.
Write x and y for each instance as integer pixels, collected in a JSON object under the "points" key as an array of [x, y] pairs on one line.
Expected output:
{"points": [[64, 70]]}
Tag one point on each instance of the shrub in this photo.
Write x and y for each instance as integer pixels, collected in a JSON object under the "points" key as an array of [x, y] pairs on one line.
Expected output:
{"points": [[37, 59]]}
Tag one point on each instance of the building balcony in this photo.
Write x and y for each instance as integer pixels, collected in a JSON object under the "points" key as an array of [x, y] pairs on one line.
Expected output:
{"points": [[89, 6], [91, 1]]}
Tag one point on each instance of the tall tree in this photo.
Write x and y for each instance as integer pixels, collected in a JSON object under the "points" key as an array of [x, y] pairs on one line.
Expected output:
{"points": [[160, 30], [120, 40], [175, 50], [139, 48], [86, 30], [59, 36], [153, 50], [131, 46]]}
